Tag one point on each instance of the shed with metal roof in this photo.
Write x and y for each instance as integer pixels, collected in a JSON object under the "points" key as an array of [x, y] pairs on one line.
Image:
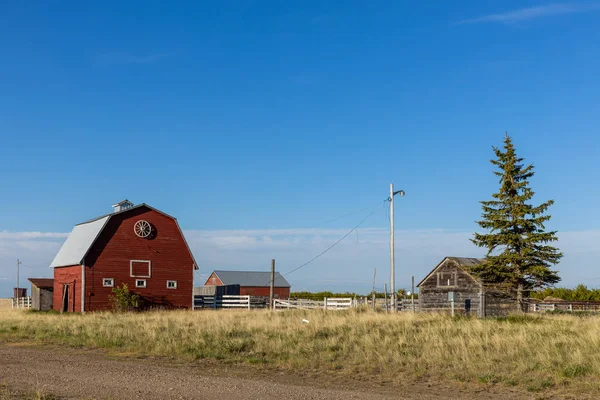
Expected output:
{"points": [[253, 283]]}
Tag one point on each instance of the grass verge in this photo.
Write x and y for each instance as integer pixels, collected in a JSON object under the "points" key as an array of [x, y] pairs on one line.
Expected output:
{"points": [[532, 352]]}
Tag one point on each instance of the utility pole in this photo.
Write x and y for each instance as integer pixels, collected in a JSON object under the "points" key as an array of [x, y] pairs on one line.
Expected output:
{"points": [[17, 295], [272, 285], [385, 297], [392, 259], [412, 294], [373, 291]]}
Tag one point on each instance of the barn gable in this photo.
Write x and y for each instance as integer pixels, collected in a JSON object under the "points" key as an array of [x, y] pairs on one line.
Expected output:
{"points": [[84, 235]]}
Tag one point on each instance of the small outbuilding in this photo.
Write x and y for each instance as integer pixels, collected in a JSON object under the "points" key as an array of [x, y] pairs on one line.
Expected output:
{"points": [[471, 295], [42, 292], [253, 283]]}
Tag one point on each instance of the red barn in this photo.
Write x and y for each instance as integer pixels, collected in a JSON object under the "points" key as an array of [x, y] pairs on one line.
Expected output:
{"points": [[253, 283], [135, 245]]}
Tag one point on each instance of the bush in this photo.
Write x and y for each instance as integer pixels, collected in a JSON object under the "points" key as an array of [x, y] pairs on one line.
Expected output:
{"points": [[579, 293], [123, 300]]}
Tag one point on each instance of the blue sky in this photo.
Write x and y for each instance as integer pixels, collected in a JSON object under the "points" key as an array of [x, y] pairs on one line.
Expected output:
{"points": [[246, 118]]}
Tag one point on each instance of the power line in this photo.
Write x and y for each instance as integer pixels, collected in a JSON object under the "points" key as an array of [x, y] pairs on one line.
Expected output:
{"points": [[330, 247]]}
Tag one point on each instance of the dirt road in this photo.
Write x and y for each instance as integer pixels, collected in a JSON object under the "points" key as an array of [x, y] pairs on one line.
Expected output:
{"points": [[75, 374]]}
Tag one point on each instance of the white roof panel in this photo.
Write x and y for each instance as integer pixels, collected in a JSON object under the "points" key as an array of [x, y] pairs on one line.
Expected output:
{"points": [[78, 243]]}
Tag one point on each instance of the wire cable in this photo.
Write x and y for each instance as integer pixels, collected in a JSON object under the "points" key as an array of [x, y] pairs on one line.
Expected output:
{"points": [[330, 247], [299, 229]]}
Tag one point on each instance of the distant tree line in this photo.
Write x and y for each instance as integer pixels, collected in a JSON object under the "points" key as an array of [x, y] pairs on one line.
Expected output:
{"points": [[579, 293], [319, 296]]}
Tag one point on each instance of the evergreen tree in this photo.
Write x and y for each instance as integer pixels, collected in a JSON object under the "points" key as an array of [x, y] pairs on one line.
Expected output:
{"points": [[520, 253]]}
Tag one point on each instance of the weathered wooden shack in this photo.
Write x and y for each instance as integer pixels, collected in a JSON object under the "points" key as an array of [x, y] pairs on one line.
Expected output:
{"points": [[471, 296], [42, 292]]}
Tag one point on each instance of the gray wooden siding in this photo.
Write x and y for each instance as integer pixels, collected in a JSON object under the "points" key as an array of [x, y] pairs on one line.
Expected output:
{"points": [[450, 277], [41, 299]]}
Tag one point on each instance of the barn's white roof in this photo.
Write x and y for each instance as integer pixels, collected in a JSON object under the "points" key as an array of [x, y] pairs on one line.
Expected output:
{"points": [[78, 243]]}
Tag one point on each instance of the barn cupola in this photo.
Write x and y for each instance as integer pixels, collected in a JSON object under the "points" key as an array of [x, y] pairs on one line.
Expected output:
{"points": [[122, 205]]}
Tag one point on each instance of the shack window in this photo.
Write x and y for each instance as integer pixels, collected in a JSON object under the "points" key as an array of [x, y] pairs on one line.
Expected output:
{"points": [[446, 279], [171, 284], [108, 282], [141, 283]]}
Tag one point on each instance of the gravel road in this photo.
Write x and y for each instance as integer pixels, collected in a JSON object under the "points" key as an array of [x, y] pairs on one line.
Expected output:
{"points": [[75, 374]]}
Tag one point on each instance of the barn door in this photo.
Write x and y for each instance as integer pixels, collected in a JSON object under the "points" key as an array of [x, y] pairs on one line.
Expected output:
{"points": [[467, 306], [65, 298]]}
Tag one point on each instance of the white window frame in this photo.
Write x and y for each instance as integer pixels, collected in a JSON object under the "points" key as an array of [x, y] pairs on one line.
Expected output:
{"points": [[145, 285], [173, 287], [452, 282], [140, 261], [112, 282]]}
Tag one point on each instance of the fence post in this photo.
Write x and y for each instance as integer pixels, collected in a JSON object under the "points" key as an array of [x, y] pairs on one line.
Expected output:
{"points": [[571, 307], [325, 304], [248, 298]]}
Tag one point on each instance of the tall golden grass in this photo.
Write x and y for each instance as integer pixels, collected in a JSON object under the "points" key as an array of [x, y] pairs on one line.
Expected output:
{"points": [[530, 351], [5, 304]]}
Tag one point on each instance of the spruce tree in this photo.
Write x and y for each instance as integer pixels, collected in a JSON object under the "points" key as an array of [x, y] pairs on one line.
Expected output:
{"points": [[520, 253]]}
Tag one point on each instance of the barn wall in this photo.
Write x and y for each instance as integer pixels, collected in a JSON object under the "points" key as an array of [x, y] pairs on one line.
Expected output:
{"points": [[433, 291], [278, 292], [166, 250], [72, 277]]}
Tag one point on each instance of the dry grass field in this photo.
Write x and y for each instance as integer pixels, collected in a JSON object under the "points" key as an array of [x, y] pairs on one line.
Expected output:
{"points": [[558, 353], [5, 304]]}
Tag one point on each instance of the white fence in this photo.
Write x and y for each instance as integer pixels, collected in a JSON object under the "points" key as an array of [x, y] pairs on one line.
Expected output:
{"points": [[227, 301], [21, 302], [387, 305], [566, 306], [332, 304], [326, 304]]}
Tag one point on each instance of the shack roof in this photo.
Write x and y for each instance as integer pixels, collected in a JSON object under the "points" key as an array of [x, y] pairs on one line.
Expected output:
{"points": [[42, 283]]}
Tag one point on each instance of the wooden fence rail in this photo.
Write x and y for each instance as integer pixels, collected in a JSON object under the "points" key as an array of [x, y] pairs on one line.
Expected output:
{"points": [[327, 304], [21, 302], [230, 301], [567, 306]]}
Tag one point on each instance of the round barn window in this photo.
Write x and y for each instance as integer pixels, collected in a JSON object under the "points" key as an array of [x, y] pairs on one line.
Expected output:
{"points": [[142, 228]]}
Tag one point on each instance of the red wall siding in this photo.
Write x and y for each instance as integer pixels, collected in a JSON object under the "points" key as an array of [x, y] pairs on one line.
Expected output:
{"points": [[283, 293], [72, 277], [213, 279], [118, 245]]}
